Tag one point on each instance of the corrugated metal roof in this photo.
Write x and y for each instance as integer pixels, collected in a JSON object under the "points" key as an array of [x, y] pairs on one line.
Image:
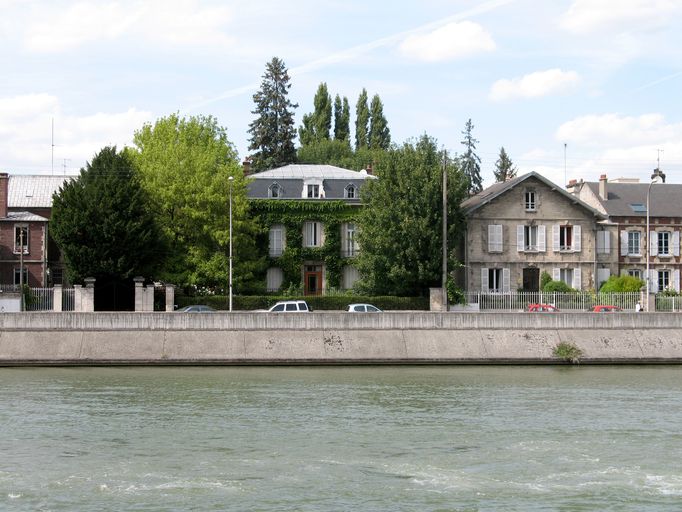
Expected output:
{"points": [[306, 171], [34, 191], [23, 217], [666, 199]]}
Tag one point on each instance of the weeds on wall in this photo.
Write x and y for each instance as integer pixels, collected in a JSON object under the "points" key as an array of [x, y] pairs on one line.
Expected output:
{"points": [[567, 352]]}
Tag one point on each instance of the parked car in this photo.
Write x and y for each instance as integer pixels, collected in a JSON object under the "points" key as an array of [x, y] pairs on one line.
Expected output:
{"points": [[290, 306], [542, 308], [602, 308], [363, 308], [196, 308]]}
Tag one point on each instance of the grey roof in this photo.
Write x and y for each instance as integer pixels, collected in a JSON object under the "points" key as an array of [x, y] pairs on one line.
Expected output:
{"points": [[666, 199], [494, 191], [23, 217], [291, 179], [34, 191]]}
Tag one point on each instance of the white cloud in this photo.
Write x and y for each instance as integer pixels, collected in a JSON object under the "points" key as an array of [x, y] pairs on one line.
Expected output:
{"points": [[25, 133], [533, 85], [56, 29], [621, 131], [623, 15], [452, 41]]}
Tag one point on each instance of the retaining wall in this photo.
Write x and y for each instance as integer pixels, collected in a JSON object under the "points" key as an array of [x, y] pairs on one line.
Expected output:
{"points": [[335, 338]]}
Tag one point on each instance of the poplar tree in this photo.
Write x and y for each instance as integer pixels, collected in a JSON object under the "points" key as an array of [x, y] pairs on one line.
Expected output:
{"points": [[361, 121], [273, 131], [504, 167], [469, 162], [317, 125], [341, 119], [379, 134]]}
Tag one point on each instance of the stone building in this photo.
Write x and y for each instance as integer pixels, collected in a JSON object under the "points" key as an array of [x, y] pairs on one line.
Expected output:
{"points": [[528, 225]]}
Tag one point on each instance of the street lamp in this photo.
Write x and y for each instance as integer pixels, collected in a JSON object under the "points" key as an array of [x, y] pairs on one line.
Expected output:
{"points": [[655, 178], [230, 180]]}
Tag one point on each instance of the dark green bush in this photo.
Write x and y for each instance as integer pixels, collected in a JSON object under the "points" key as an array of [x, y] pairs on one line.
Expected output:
{"points": [[557, 286]]}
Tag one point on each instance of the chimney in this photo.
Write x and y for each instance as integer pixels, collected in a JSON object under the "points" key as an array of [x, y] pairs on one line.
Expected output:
{"points": [[603, 190], [570, 188], [4, 193], [369, 169], [658, 174], [246, 166]]}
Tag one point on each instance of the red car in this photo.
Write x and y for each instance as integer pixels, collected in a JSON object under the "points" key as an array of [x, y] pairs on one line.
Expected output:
{"points": [[542, 308], [606, 309]]}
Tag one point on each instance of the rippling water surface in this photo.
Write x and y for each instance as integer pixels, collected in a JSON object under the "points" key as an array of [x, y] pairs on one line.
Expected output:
{"points": [[341, 439]]}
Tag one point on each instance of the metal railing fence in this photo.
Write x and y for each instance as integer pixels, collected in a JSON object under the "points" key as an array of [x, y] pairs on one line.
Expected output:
{"points": [[575, 301]]}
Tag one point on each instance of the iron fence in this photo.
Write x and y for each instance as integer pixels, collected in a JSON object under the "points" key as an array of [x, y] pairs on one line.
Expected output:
{"points": [[68, 299], [39, 299], [576, 301]]}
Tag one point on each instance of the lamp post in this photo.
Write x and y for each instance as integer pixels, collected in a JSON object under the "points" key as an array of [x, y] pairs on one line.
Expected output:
{"points": [[656, 178], [230, 180]]}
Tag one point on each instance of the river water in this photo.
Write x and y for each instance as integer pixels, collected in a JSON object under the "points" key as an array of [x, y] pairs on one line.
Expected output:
{"points": [[341, 439]]}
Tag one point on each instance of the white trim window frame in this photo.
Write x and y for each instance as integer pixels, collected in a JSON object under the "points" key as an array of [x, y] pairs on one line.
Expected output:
{"points": [[530, 238], [351, 191], [276, 240], [663, 279], [664, 246], [349, 243], [636, 272], [313, 191], [634, 243], [17, 275], [275, 191], [18, 241], [312, 234], [530, 200]]}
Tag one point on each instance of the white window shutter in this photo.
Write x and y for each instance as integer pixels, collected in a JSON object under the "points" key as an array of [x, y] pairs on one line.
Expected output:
{"points": [[505, 280], [676, 243], [577, 232], [555, 230], [653, 243], [491, 238], [607, 242], [653, 281], [556, 274], [541, 239], [676, 280], [499, 237], [623, 243], [484, 280], [577, 279], [519, 237], [344, 239]]}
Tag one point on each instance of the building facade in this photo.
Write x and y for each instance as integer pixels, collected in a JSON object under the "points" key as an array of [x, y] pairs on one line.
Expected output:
{"points": [[310, 212]]}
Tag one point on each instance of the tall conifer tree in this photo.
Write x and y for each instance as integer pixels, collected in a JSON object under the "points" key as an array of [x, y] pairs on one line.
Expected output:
{"points": [[317, 125], [341, 119], [504, 167], [469, 162], [273, 132], [361, 121], [379, 134]]}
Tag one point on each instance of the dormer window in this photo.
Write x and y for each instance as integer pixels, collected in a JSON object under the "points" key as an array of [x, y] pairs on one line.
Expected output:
{"points": [[313, 191], [351, 192], [275, 191]]}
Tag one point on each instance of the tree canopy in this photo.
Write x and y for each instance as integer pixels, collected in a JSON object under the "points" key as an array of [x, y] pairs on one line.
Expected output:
{"points": [[272, 132], [469, 161], [362, 121], [103, 225], [317, 125], [400, 225], [504, 167], [379, 134], [341, 119], [184, 165]]}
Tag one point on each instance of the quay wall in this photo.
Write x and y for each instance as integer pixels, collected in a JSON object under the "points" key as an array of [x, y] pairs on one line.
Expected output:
{"points": [[335, 338]]}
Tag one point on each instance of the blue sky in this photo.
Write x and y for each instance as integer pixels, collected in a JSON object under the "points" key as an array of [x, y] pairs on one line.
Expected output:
{"points": [[601, 76]]}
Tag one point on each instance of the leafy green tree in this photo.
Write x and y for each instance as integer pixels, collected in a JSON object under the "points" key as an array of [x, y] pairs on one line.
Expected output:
{"points": [[619, 284], [504, 167], [379, 134], [329, 152], [361, 121], [184, 165], [400, 225], [103, 225], [273, 132], [557, 286], [469, 162], [317, 125], [341, 119]]}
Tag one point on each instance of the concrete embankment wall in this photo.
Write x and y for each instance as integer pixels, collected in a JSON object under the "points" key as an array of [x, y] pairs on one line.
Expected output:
{"points": [[335, 338]]}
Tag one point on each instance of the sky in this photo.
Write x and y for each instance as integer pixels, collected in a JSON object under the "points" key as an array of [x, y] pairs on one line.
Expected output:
{"points": [[571, 89]]}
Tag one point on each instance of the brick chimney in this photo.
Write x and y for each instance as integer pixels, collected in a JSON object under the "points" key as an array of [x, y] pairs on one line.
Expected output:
{"points": [[4, 193], [246, 166], [603, 190], [658, 174], [369, 169]]}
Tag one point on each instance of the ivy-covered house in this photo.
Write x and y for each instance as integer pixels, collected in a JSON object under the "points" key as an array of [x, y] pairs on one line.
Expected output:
{"points": [[310, 212]]}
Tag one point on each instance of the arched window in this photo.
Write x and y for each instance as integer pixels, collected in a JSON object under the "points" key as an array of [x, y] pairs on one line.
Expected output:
{"points": [[351, 192], [275, 191]]}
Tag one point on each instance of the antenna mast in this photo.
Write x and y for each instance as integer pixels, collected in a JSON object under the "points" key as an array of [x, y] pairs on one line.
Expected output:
{"points": [[658, 159], [565, 178], [53, 146]]}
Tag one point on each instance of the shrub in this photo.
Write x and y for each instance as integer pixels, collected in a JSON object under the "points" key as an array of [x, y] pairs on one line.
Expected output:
{"points": [[568, 352], [545, 278], [619, 284], [557, 286]]}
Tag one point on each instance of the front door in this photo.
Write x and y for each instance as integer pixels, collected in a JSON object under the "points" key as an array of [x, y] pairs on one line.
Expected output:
{"points": [[531, 279], [312, 280]]}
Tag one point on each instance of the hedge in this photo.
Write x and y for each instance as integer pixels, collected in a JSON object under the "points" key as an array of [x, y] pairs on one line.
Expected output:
{"points": [[316, 302]]}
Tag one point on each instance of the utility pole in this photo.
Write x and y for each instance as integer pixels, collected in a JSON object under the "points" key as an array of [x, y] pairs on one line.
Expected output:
{"points": [[21, 267], [53, 146], [658, 159], [445, 230], [230, 179]]}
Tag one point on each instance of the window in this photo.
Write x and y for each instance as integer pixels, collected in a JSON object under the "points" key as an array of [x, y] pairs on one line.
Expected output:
{"points": [[495, 238], [312, 234], [351, 192], [495, 280], [663, 279], [275, 191], [638, 207], [276, 240], [313, 191], [17, 276], [664, 243], [349, 245], [565, 238], [350, 277], [530, 200], [566, 275], [635, 272], [603, 242], [274, 279], [530, 238], [633, 243], [21, 239]]}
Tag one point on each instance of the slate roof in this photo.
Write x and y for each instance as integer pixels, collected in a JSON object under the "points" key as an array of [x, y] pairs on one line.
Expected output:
{"points": [[496, 190], [33, 191], [291, 178], [666, 199], [23, 217]]}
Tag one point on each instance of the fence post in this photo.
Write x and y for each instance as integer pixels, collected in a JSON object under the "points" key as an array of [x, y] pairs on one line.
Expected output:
{"points": [[139, 293], [57, 298], [88, 300], [170, 297]]}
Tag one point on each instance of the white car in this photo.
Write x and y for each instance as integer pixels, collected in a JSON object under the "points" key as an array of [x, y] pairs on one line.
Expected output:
{"points": [[290, 306], [363, 308]]}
